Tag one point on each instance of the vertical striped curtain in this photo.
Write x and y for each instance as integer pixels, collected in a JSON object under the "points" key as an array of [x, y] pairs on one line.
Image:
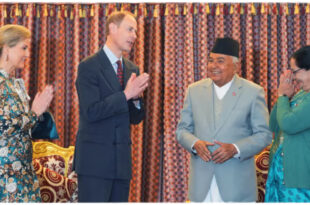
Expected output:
{"points": [[173, 43]]}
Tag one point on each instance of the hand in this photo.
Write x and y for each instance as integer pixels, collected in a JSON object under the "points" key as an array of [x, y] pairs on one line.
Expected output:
{"points": [[42, 100], [136, 85], [201, 148], [286, 86], [224, 152]]}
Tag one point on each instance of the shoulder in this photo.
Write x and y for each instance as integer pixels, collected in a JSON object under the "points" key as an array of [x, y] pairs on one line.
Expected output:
{"points": [[201, 83], [130, 64], [250, 86], [4, 87], [89, 59], [90, 63]]}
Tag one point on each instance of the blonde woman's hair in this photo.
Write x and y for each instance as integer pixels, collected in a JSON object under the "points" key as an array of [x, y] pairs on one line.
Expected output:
{"points": [[11, 34]]}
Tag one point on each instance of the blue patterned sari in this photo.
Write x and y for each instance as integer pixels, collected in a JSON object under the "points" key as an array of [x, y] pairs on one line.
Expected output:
{"points": [[276, 191]]}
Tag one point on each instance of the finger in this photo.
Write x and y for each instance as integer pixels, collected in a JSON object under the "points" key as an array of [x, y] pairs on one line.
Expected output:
{"points": [[132, 77], [218, 150], [204, 151], [219, 158], [144, 86], [38, 95], [142, 81], [208, 143], [217, 153], [219, 143], [50, 89], [291, 77], [145, 75], [50, 98], [205, 157]]}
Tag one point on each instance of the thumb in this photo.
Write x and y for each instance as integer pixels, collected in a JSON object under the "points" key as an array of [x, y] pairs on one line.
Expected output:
{"points": [[209, 143], [37, 95], [133, 76], [219, 143]]}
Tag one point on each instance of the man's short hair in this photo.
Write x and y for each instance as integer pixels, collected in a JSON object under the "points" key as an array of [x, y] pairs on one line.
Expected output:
{"points": [[117, 17], [235, 59]]}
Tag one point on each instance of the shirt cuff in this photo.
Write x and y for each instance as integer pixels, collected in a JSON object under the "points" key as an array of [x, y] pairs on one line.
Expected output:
{"points": [[238, 154], [137, 104], [193, 149]]}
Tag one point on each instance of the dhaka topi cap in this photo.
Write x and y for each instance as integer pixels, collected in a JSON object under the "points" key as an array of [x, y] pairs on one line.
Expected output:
{"points": [[226, 46]]}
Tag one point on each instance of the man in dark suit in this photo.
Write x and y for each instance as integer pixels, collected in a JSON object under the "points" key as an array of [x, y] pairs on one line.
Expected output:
{"points": [[109, 89]]}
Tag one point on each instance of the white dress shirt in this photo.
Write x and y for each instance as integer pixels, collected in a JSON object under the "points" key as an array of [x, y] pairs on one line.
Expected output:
{"points": [[112, 58]]}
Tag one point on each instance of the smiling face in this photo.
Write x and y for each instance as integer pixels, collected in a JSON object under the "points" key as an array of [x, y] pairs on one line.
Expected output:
{"points": [[221, 68], [124, 35], [301, 76], [19, 53]]}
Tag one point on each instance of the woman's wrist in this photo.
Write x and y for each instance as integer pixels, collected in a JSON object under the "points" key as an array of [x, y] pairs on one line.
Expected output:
{"points": [[280, 95]]}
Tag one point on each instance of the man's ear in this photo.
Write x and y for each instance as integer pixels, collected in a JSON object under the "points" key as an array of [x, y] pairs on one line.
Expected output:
{"points": [[237, 66], [112, 28]]}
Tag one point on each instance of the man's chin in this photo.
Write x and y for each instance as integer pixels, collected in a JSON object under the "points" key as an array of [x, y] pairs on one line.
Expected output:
{"points": [[215, 78], [126, 50]]}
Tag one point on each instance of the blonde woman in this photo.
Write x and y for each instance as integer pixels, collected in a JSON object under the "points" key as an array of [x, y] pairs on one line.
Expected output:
{"points": [[18, 182]]}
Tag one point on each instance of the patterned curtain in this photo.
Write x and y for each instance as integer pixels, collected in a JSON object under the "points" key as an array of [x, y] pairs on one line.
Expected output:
{"points": [[173, 43]]}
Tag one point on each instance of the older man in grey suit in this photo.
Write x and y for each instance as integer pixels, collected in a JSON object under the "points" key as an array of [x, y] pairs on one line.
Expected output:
{"points": [[224, 123]]}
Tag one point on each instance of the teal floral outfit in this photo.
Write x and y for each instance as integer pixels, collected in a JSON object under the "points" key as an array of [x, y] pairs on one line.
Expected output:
{"points": [[276, 188], [18, 181]]}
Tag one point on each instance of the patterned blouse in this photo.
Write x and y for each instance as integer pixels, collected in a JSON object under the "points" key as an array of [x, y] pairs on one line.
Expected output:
{"points": [[18, 181]]}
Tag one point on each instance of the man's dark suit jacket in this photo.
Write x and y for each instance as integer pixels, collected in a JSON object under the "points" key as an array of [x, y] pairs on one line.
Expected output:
{"points": [[103, 144]]}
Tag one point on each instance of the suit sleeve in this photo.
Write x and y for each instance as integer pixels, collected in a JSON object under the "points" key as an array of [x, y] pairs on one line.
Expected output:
{"points": [[261, 136], [273, 123], [136, 115], [185, 127], [91, 106], [12, 119], [293, 121]]}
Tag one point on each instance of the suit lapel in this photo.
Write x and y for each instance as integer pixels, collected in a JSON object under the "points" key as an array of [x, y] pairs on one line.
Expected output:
{"points": [[108, 70], [127, 70], [230, 101], [207, 102]]}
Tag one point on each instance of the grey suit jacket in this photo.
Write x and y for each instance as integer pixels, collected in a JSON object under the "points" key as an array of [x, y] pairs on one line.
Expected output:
{"points": [[244, 123]]}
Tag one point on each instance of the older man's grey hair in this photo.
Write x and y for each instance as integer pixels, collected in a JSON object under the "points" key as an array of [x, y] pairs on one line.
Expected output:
{"points": [[235, 59]]}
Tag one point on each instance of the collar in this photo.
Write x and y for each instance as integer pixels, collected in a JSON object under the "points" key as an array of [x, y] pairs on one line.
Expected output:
{"points": [[4, 73], [112, 58], [226, 86]]}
